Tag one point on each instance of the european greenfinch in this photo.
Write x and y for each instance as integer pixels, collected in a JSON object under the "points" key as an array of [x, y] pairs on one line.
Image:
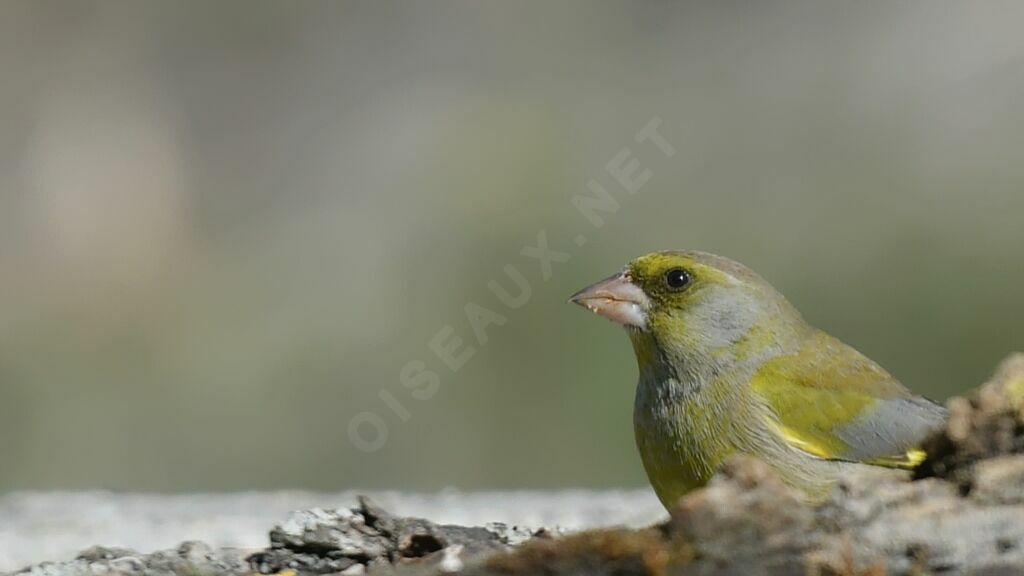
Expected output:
{"points": [[728, 366]]}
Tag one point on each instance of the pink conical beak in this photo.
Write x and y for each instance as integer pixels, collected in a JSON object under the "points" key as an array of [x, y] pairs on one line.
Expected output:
{"points": [[617, 299]]}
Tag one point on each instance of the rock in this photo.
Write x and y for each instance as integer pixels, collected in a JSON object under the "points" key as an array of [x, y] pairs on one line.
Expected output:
{"points": [[747, 503], [274, 561], [986, 423], [99, 553], [189, 559], [961, 512], [618, 552], [999, 480], [342, 532], [334, 541], [515, 535]]}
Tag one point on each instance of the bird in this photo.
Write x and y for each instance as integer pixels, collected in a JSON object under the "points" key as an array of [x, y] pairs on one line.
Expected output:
{"points": [[727, 366]]}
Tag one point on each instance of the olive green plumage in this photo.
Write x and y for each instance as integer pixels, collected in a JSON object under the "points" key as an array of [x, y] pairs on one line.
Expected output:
{"points": [[728, 366]]}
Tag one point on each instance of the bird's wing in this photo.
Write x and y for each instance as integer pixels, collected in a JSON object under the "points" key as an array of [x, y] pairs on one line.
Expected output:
{"points": [[833, 402]]}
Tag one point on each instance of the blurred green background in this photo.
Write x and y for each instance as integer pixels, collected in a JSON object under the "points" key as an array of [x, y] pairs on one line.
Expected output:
{"points": [[226, 227]]}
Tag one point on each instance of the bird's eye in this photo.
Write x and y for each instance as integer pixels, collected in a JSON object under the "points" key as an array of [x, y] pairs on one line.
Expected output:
{"points": [[677, 278]]}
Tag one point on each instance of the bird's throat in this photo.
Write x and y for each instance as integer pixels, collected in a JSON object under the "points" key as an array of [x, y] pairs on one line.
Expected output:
{"points": [[650, 357]]}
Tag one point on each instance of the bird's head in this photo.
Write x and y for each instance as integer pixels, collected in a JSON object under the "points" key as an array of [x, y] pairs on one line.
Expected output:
{"points": [[691, 303]]}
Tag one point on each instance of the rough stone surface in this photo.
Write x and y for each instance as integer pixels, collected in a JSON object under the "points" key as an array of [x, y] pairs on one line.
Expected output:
{"points": [[331, 541], [191, 558], [961, 513], [53, 526], [986, 423]]}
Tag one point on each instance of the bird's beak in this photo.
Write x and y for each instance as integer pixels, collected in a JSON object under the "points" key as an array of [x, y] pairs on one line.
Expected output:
{"points": [[617, 299]]}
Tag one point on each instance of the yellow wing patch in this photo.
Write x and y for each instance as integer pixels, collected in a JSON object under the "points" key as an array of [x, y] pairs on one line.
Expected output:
{"points": [[797, 441], [818, 393], [909, 461]]}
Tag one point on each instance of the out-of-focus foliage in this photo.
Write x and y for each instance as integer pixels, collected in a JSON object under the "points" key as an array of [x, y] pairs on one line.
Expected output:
{"points": [[225, 228]]}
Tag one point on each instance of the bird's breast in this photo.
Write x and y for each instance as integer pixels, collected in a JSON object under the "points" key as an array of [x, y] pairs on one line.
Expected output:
{"points": [[683, 432]]}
